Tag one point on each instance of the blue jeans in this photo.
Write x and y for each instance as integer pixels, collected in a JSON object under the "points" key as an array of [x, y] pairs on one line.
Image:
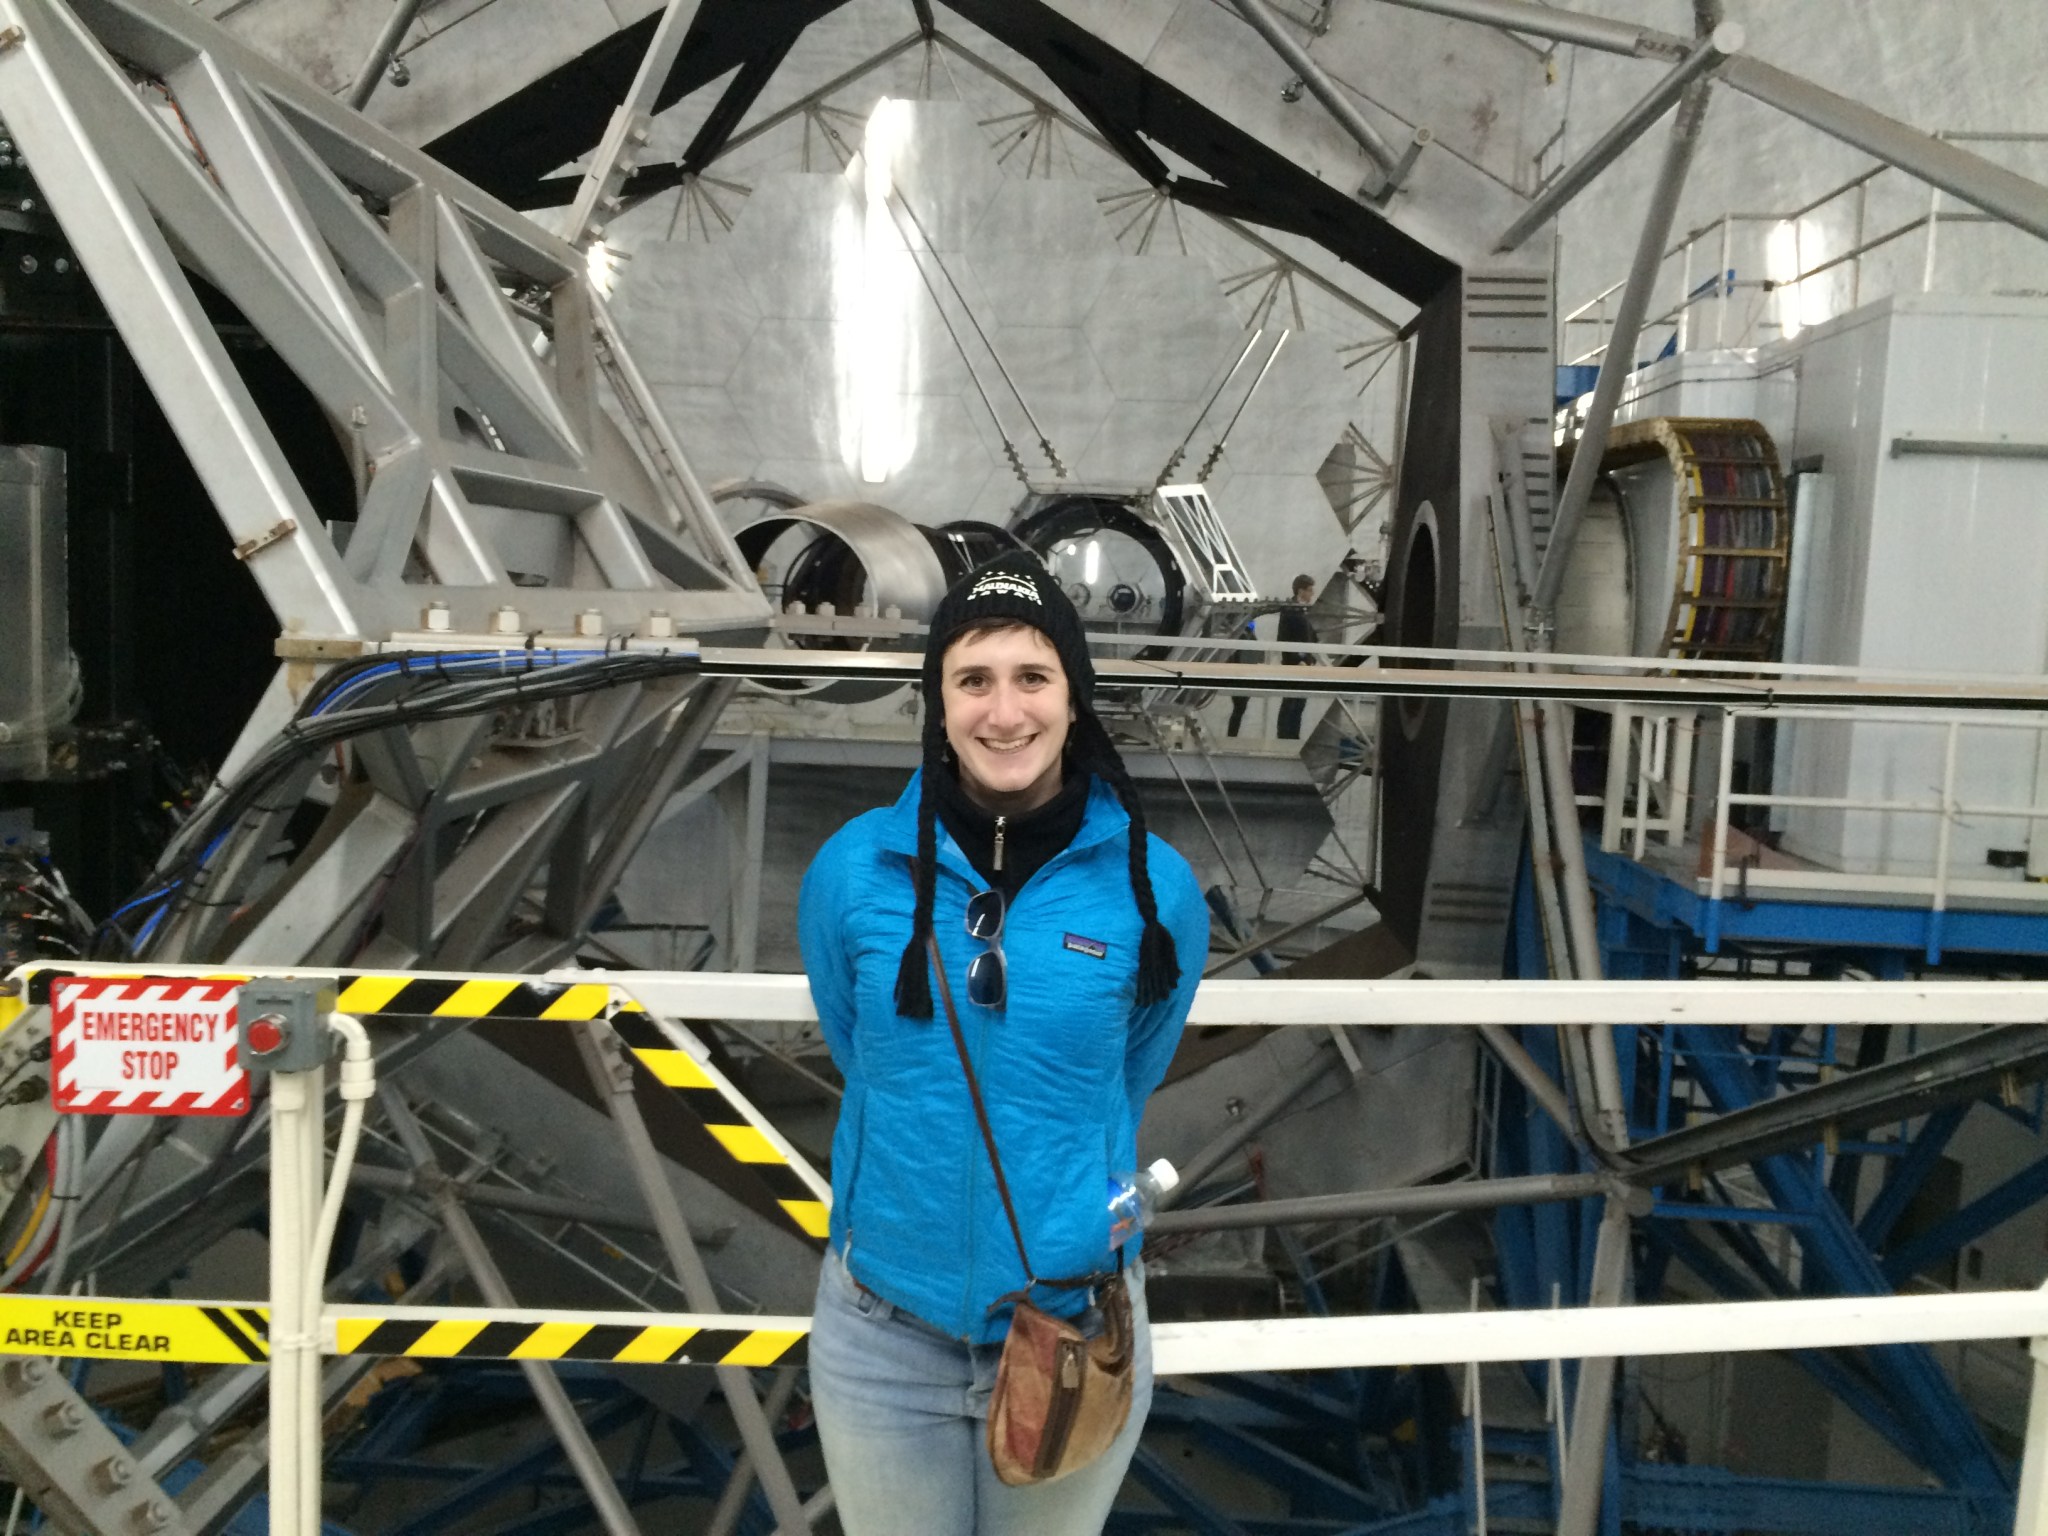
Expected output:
{"points": [[903, 1413]]}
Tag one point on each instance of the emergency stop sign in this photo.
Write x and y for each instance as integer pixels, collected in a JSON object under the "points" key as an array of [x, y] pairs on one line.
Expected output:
{"points": [[142, 1045]]}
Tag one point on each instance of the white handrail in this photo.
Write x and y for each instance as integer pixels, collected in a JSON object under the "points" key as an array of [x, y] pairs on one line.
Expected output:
{"points": [[1429, 1004], [1938, 886], [1461, 1338], [1593, 311]]}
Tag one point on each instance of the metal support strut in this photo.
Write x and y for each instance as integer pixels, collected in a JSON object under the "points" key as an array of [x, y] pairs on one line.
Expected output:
{"points": [[554, 1400], [1621, 345], [1584, 1470], [1632, 125], [381, 53], [613, 1077], [1393, 164]]}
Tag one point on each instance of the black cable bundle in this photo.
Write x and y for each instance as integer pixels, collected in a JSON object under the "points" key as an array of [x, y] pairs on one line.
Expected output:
{"points": [[427, 692]]}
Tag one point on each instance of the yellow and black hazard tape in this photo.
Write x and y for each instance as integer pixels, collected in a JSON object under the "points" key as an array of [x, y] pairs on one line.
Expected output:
{"points": [[235, 1333], [464, 1334], [713, 1103], [511, 999], [447, 997], [98, 1328], [400, 993]]}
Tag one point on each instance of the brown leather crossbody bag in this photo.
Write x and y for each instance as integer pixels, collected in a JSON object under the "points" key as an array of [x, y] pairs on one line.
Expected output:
{"points": [[1060, 1397]]}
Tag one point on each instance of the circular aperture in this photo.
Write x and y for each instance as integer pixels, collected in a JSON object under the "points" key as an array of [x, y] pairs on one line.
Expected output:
{"points": [[826, 562], [1416, 607], [1113, 564]]}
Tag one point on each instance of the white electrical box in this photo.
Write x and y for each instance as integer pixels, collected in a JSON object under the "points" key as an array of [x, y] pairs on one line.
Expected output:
{"points": [[1923, 420]]}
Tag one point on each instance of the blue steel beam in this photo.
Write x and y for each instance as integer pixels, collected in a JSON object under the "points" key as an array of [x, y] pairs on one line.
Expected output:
{"points": [[1908, 1174], [1322, 1412], [539, 1456], [1831, 1371], [1142, 1522], [1956, 1450], [1182, 1410], [1993, 1208], [1310, 1490], [1708, 1499], [1433, 1521], [1173, 1491], [572, 1515], [1665, 902]]}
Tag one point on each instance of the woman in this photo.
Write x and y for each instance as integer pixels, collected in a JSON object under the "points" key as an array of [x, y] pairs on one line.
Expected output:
{"points": [[1071, 1000]]}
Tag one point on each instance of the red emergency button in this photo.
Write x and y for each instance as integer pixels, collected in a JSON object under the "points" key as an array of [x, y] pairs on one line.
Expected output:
{"points": [[266, 1035]]}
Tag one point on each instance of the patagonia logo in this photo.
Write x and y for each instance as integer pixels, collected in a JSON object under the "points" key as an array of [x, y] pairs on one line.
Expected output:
{"points": [[1003, 584], [1094, 949]]}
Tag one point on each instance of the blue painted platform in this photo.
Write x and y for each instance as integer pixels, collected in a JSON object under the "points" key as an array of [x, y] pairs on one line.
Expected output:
{"points": [[1663, 901]]}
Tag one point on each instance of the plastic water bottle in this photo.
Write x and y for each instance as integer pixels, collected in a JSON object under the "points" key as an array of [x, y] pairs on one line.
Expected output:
{"points": [[1133, 1197]]}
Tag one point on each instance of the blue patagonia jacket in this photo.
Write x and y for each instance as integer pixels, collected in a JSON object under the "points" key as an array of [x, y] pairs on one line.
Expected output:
{"points": [[1065, 1066]]}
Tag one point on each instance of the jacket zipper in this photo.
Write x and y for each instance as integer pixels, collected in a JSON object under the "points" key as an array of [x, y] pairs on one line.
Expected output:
{"points": [[997, 863]]}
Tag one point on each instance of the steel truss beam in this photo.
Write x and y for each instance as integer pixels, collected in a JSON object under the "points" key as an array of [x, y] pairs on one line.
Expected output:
{"points": [[1936, 1079], [1629, 127], [1977, 181], [1952, 1445], [1325, 90], [1419, 1199], [1905, 1176], [501, 435], [1619, 361], [629, 122], [1836, 1374], [1559, 25], [381, 280], [1993, 1208]]}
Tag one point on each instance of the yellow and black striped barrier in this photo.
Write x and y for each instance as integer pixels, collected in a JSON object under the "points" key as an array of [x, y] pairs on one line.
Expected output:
{"points": [[744, 1136], [373, 994], [615, 1338], [447, 997], [236, 1333], [719, 1106]]}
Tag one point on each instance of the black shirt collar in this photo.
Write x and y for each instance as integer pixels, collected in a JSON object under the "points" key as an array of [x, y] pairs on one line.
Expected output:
{"points": [[1029, 840]]}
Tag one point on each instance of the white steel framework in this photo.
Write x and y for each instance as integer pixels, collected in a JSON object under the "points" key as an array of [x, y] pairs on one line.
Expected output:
{"points": [[1409, 1339]]}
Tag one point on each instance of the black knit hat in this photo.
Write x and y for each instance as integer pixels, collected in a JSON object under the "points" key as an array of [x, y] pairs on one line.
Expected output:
{"points": [[1017, 588]]}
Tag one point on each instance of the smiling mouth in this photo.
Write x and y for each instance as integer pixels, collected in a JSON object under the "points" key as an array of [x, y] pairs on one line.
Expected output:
{"points": [[1006, 748]]}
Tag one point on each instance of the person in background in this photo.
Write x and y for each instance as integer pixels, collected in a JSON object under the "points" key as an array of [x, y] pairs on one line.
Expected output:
{"points": [[1072, 941], [1240, 702], [1295, 627]]}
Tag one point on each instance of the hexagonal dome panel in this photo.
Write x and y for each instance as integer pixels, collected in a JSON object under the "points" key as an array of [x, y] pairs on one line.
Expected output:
{"points": [[943, 173], [1283, 526], [1159, 331], [688, 312], [1055, 371], [1038, 288], [798, 245], [1297, 411], [948, 465], [789, 384], [1136, 442], [1046, 218], [706, 417]]}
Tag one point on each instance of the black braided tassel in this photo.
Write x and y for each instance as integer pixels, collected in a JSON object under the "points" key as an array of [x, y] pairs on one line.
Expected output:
{"points": [[913, 973], [1158, 961]]}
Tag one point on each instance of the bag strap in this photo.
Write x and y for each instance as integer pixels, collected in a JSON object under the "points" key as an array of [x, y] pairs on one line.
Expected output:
{"points": [[988, 1136]]}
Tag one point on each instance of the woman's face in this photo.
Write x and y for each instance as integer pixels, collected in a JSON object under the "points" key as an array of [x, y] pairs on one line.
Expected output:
{"points": [[1007, 713]]}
